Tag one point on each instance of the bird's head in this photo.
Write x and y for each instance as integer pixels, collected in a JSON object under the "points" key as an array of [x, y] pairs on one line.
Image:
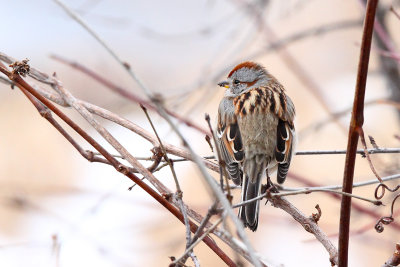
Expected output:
{"points": [[244, 77]]}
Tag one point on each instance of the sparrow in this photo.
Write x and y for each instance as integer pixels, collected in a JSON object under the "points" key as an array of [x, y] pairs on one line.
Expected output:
{"points": [[255, 132]]}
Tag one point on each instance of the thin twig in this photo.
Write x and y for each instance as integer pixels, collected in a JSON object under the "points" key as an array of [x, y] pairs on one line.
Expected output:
{"points": [[190, 248], [354, 205], [127, 67], [194, 259], [338, 187], [306, 191], [362, 152], [179, 192], [165, 156], [211, 211], [46, 113], [72, 101], [364, 144], [380, 150], [205, 222]]}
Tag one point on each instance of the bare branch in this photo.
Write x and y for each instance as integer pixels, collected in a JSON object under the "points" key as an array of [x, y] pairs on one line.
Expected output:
{"points": [[118, 166], [395, 259], [337, 187], [357, 121], [308, 224], [305, 191], [190, 248], [354, 205], [72, 101], [362, 152], [364, 144], [178, 187]]}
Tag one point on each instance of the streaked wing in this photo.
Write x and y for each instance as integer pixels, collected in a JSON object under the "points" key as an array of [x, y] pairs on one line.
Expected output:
{"points": [[284, 147], [230, 143], [285, 135]]}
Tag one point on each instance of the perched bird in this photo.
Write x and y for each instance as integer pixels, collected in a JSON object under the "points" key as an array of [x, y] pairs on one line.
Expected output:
{"points": [[255, 132]]}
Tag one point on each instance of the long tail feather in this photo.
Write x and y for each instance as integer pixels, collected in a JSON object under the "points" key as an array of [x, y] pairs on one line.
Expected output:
{"points": [[249, 213]]}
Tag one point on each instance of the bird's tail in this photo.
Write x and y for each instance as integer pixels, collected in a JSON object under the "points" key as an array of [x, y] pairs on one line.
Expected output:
{"points": [[249, 213]]}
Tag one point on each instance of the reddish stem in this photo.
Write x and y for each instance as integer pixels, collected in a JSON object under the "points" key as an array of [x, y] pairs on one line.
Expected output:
{"points": [[357, 120]]}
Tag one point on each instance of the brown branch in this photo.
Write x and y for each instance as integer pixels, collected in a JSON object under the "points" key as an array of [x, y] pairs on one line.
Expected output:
{"points": [[115, 163], [106, 114], [46, 113], [357, 121], [44, 78], [72, 101]]}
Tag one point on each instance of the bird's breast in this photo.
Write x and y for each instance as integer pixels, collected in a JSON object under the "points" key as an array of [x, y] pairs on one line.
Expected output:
{"points": [[258, 132]]}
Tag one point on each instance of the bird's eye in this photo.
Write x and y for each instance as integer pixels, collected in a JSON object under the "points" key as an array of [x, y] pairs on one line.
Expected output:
{"points": [[236, 81]]}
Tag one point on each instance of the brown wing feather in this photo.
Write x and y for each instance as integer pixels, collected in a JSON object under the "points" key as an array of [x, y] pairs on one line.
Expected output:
{"points": [[230, 142], [284, 147], [285, 135]]}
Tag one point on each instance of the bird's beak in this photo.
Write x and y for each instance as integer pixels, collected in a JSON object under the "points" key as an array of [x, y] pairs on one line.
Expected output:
{"points": [[224, 84]]}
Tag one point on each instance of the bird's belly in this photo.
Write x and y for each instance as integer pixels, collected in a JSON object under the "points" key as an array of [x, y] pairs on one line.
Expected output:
{"points": [[259, 134]]}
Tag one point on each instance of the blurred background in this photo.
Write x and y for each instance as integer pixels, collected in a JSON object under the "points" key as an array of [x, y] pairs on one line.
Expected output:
{"points": [[57, 209]]}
